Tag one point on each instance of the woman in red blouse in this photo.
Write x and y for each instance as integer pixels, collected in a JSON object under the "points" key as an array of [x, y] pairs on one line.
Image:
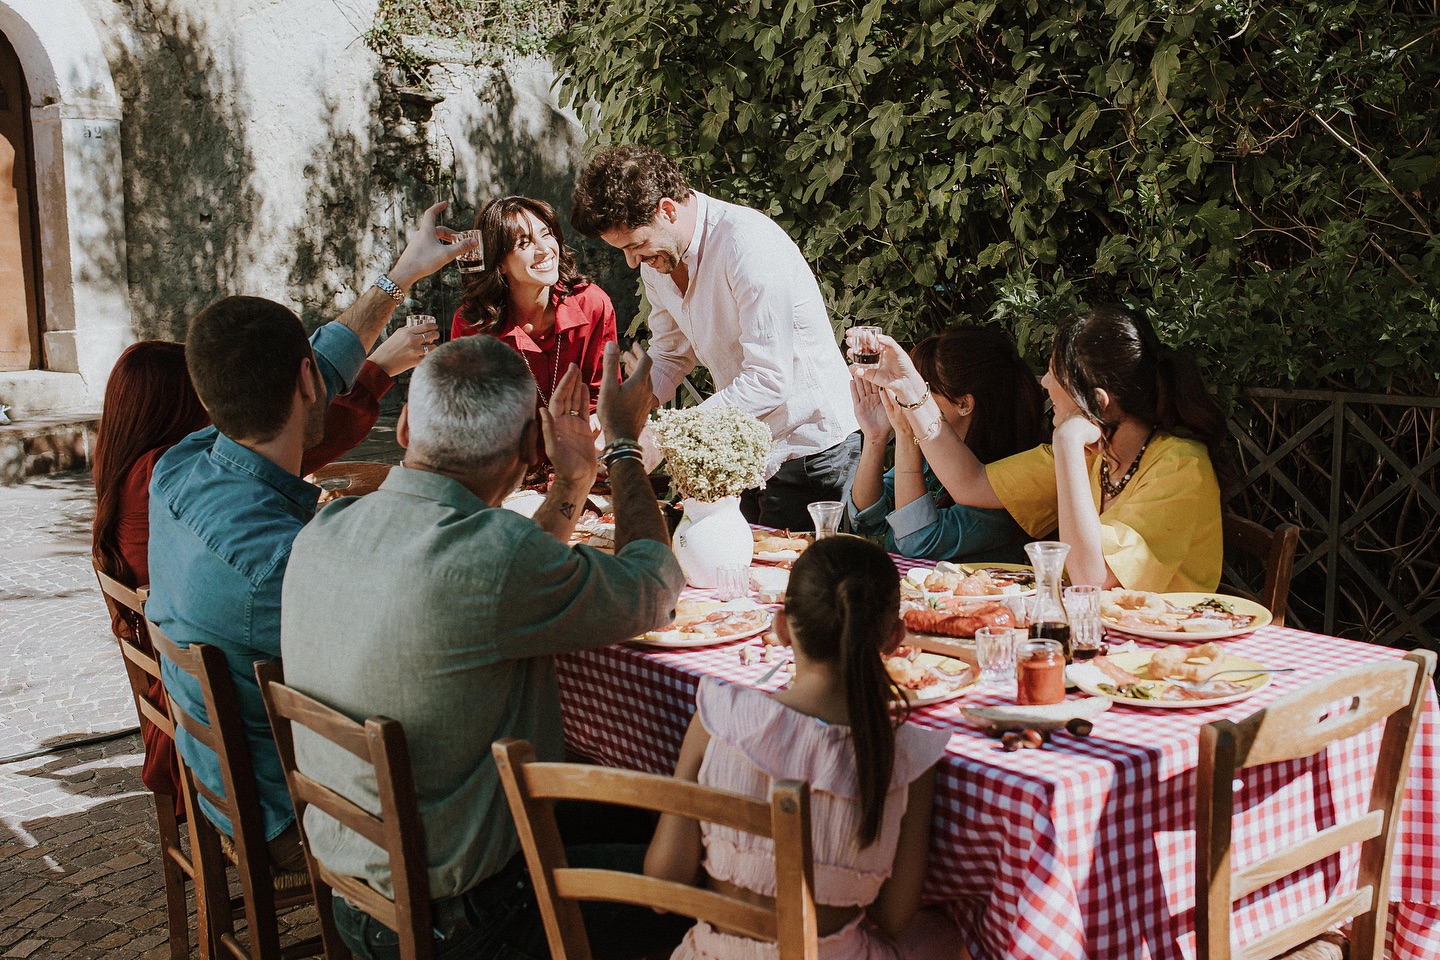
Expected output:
{"points": [[150, 405], [530, 295]]}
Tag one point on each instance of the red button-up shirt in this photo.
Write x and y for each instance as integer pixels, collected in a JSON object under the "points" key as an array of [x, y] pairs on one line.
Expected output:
{"points": [[584, 323]]}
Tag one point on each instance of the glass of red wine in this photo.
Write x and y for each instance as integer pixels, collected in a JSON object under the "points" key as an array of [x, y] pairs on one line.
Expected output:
{"points": [[865, 345]]}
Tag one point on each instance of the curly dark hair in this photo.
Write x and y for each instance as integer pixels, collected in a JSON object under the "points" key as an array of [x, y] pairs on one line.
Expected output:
{"points": [[485, 297], [621, 187]]}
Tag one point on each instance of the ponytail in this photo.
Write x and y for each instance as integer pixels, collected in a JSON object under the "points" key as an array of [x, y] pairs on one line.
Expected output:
{"points": [[842, 602], [869, 692]]}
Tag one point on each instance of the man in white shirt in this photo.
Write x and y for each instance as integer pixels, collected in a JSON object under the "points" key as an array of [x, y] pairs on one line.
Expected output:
{"points": [[729, 290]]}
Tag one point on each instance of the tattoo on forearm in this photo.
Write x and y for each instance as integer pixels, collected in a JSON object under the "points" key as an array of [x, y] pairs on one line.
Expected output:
{"points": [[567, 510]]}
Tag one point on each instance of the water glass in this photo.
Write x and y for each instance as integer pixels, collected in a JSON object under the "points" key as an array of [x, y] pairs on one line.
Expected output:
{"points": [[471, 261], [1082, 607], [419, 320], [826, 514], [995, 653], [865, 345], [732, 582]]}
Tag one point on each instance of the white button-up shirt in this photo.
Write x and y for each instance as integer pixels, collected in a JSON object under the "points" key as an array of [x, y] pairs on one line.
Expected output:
{"points": [[753, 315]]}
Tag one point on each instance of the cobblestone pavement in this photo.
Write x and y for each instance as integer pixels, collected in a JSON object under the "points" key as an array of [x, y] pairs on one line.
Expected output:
{"points": [[79, 874]]}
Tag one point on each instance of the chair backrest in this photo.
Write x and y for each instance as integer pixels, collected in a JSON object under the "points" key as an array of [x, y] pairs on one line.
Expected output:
{"points": [[222, 730], [364, 476], [379, 742], [1275, 548], [532, 788], [141, 667], [1296, 726]]}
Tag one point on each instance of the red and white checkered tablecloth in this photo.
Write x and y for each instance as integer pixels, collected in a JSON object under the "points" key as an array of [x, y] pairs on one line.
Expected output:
{"points": [[1084, 848]]}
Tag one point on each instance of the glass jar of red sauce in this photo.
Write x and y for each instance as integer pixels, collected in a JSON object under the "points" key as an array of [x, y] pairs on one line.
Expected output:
{"points": [[1039, 672]]}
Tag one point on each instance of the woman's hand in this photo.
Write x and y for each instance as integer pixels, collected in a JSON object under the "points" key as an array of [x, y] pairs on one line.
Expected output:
{"points": [[870, 411], [894, 369], [1076, 432], [569, 441], [405, 348], [904, 433]]}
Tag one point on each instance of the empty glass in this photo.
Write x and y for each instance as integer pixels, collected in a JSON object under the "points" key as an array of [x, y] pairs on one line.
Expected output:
{"points": [[995, 653], [732, 583], [826, 514]]}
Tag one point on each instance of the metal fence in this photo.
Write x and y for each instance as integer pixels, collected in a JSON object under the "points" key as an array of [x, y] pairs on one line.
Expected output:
{"points": [[1358, 474]]}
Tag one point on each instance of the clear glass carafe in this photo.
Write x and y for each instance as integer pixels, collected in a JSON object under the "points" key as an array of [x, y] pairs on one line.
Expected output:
{"points": [[1047, 612]]}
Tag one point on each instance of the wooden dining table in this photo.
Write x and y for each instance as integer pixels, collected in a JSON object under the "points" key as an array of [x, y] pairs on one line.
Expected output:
{"points": [[1084, 848]]}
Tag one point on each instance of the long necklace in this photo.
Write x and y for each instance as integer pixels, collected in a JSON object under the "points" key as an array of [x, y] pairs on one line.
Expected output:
{"points": [[1112, 490], [554, 371]]}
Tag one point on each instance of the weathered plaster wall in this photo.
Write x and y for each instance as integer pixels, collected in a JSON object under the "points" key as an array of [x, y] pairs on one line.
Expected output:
{"points": [[267, 151]]}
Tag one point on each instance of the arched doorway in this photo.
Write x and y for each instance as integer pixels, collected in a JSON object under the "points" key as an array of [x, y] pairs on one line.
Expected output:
{"points": [[20, 340]]}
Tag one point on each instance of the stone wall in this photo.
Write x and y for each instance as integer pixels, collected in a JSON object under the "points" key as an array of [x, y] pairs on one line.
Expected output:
{"points": [[268, 151]]}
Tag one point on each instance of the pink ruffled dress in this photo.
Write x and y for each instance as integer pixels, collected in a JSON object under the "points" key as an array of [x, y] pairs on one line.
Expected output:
{"points": [[754, 739]]}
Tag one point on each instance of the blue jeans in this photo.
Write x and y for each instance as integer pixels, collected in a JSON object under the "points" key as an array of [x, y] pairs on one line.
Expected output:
{"points": [[499, 918]]}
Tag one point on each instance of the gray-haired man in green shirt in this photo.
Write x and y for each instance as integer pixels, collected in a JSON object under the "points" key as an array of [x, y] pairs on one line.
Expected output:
{"points": [[429, 603]]}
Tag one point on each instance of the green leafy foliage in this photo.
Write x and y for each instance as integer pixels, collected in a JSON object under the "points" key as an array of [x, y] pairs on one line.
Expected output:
{"points": [[1262, 176]]}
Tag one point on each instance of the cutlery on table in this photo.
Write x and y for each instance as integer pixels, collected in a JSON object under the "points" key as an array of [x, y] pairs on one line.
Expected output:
{"points": [[771, 672], [1202, 684]]}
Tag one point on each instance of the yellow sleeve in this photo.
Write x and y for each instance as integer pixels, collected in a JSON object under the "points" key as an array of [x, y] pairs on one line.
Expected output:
{"points": [[1025, 484], [1163, 532]]}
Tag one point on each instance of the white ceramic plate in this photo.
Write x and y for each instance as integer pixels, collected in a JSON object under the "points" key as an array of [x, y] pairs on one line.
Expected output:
{"points": [[1088, 678], [1236, 604], [681, 639], [953, 678], [915, 579]]}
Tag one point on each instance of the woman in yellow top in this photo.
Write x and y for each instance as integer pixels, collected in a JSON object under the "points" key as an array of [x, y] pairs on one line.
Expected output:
{"points": [[1129, 477]]}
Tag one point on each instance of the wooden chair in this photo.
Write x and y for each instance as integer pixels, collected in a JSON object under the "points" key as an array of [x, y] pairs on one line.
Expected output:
{"points": [[1275, 548], [265, 891], [397, 830], [1297, 726], [176, 869], [350, 478], [532, 787]]}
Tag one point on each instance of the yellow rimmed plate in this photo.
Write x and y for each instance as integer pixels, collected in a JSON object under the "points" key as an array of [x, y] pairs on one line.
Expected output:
{"points": [[1088, 677], [1239, 605]]}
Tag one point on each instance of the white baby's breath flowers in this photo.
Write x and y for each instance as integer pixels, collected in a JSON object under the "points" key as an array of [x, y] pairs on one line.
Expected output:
{"points": [[713, 453]]}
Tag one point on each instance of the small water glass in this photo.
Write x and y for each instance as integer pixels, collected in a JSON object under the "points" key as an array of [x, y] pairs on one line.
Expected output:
{"points": [[732, 582], [865, 345], [1082, 608], [826, 514], [995, 653], [419, 320], [471, 261]]}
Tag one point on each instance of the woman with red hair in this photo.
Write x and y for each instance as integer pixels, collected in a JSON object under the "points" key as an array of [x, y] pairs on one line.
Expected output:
{"points": [[150, 405]]}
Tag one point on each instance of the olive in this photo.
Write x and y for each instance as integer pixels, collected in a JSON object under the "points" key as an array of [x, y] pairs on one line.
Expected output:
{"points": [[1032, 739], [1079, 726], [1012, 741]]}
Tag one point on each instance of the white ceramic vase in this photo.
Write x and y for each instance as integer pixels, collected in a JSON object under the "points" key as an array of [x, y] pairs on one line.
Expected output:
{"points": [[711, 536]]}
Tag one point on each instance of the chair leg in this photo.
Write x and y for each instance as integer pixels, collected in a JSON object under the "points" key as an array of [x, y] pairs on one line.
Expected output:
{"points": [[173, 877]]}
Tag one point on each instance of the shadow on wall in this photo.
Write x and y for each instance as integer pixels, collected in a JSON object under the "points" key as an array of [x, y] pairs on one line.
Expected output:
{"points": [[535, 150], [188, 197]]}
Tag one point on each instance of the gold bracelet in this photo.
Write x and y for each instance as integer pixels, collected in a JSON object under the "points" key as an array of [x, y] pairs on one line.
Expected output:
{"points": [[912, 406], [931, 432]]}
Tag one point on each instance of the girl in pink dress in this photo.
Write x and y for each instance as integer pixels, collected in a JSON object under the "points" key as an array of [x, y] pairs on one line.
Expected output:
{"points": [[871, 775]]}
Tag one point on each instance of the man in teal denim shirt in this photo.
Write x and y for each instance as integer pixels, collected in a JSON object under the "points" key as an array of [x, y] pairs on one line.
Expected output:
{"points": [[226, 502]]}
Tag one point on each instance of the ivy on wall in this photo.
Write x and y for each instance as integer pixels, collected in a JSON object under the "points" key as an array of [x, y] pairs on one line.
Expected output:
{"points": [[1261, 174]]}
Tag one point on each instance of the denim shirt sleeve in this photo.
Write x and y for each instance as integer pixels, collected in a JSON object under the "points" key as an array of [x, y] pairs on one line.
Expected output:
{"points": [[566, 599], [340, 356], [871, 520], [922, 530]]}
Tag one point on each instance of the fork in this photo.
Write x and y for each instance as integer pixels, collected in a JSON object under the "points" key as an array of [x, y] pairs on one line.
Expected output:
{"points": [[1202, 684]]}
